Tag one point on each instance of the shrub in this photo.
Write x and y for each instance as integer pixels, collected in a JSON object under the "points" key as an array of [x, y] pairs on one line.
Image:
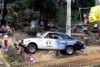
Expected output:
{"points": [[12, 54], [62, 30], [25, 23], [33, 31], [86, 41], [60, 21]]}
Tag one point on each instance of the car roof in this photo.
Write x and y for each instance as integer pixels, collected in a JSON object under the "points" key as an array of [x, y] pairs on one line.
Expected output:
{"points": [[55, 32]]}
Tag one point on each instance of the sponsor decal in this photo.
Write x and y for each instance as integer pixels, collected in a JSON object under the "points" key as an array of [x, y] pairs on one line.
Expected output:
{"points": [[70, 44]]}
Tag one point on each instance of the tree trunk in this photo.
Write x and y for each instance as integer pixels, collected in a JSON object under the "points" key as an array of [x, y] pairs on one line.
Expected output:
{"points": [[4, 12]]}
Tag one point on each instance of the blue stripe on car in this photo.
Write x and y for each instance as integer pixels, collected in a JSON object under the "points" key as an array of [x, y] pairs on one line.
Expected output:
{"points": [[60, 45]]}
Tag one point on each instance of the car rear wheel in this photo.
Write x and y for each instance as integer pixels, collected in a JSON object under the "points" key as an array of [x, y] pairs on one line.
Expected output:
{"points": [[63, 52], [32, 48], [69, 50]]}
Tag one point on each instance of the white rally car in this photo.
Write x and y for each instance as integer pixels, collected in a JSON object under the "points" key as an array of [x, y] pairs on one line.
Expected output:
{"points": [[54, 41]]}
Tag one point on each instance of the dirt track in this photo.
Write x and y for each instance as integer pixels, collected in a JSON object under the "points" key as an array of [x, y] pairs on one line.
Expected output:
{"points": [[85, 58], [76, 61]]}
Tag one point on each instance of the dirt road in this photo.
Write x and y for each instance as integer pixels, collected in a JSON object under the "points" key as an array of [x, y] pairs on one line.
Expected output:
{"points": [[85, 58], [76, 61]]}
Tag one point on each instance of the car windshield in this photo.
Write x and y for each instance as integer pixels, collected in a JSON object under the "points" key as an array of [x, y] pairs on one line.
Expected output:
{"points": [[64, 37], [43, 35]]}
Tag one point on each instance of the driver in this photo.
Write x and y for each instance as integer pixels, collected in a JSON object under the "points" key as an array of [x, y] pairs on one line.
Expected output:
{"points": [[47, 36]]}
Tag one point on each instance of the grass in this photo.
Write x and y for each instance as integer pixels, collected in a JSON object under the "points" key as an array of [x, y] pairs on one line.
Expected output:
{"points": [[62, 56], [85, 54], [97, 65]]}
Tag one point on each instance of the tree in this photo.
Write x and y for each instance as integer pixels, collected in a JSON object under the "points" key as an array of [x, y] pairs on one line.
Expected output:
{"points": [[20, 8], [4, 13], [46, 7], [85, 3]]}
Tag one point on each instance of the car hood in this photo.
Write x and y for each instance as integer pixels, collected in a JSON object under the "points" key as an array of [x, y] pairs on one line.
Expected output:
{"points": [[30, 38]]}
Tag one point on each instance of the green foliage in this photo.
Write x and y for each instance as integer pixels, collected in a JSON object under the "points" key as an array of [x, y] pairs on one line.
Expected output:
{"points": [[20, 6], [87, 3], [74, 15], [12, 55], [82, 3], [33, 31], [86, 41], [97, 65], [30, 4], [46, 7], [62, 29], [74, 18], [74, 5], [25, 23], [85, 54], [22, 16], [10, 1], [60, 21], [9, 19]]}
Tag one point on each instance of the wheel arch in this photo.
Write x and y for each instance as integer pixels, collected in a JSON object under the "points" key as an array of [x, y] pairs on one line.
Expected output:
{"points": [[34, 44], [71, 46]]}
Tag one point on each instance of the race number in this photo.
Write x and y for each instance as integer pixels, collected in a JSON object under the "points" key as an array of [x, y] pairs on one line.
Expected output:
{"points": [[48, 43]]}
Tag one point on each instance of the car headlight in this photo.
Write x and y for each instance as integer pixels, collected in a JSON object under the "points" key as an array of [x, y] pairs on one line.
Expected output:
{"points": [[20, 41]]}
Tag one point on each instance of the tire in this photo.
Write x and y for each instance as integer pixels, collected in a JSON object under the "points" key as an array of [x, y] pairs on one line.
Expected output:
{"points": [[63, 52], [32, 48], [69, 50], [26, 50]]}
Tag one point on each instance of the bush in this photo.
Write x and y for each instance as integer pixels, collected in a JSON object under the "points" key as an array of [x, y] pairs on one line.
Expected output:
{"points": [[33, 31], [86, 41], [12, 54], [60, 21], [25, 23], [62, 30]]}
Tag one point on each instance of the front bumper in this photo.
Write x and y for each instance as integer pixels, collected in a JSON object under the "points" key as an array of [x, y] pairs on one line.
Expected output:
{"points": [[21, 44], [79, 46]]}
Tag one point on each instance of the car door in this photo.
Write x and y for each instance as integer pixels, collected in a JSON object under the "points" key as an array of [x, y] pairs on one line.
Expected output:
{"points": [[66, 39], [59, 44], [55, 44], [50, 43], [47, 43]]}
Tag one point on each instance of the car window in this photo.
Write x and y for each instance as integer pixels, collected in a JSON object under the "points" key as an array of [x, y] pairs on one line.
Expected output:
{"points": [[64, 36], [52, 36], [43, 35], [47, 36]]}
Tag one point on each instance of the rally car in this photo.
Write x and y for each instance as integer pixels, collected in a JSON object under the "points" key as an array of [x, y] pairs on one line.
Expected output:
{"points": [[52, 40]]}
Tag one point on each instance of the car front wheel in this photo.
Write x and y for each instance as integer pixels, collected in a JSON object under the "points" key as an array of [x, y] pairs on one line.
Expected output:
{"points": [[63, 52], [32, 48], [69, 50]]}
